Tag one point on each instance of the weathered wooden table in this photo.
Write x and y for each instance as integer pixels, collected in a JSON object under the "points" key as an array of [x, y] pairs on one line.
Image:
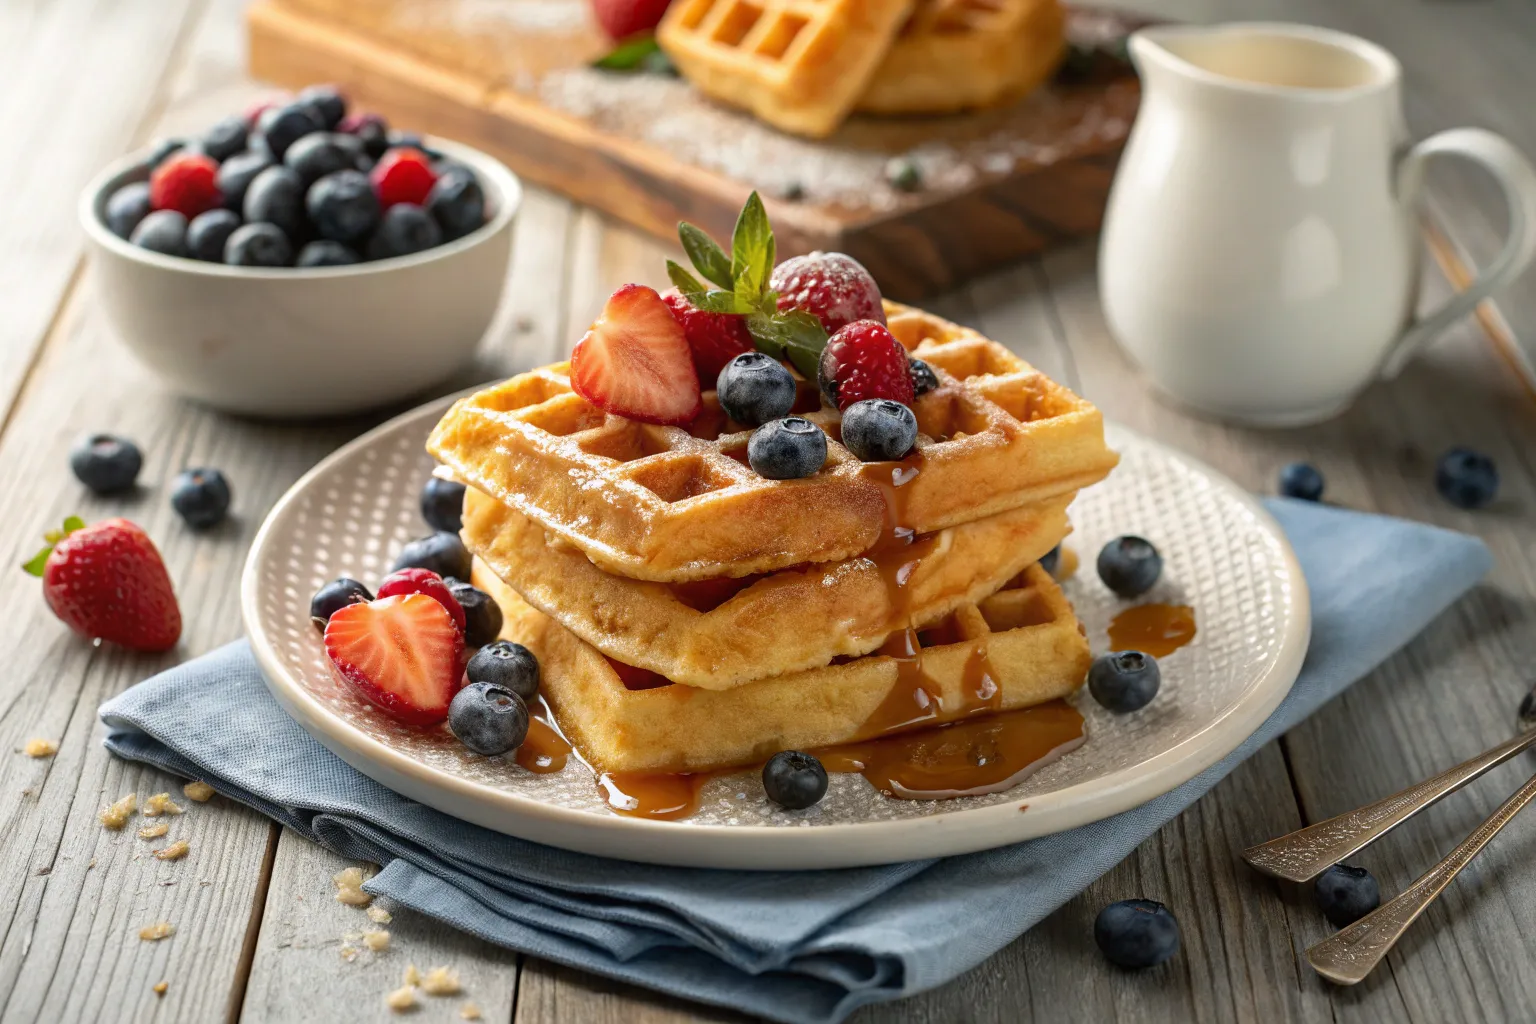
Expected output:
{"points": [[259, 934]]}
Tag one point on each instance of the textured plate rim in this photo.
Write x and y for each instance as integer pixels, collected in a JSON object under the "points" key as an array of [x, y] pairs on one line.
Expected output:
{"points": [[767, 847]]}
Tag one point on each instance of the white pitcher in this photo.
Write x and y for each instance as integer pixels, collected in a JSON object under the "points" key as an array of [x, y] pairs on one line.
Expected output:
{"points": [[1260, 257]]}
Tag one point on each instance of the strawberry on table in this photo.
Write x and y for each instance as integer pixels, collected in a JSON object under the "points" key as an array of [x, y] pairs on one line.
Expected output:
{"points": [[635, 361], [624, 18], [403, 654], [863, 361], [715, 338], [107, 581]]}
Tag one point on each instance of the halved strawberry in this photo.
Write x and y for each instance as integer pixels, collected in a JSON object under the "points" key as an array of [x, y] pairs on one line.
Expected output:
{"points": [[401, 653], [635, 361], [423, 581]]}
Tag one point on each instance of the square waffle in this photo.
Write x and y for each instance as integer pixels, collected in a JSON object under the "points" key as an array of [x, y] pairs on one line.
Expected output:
{"points": [[672, 504], [718, 634], [1032, 646], [799, 65]]}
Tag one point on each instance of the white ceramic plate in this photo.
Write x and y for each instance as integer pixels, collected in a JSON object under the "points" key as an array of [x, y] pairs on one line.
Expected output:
{"points": [[1223, 555]]}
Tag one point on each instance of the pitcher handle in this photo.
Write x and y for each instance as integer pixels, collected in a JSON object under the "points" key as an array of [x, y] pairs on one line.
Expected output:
{"points": [[1518, 180]]}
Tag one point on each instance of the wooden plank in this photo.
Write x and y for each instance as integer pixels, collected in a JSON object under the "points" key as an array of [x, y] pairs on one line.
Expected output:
{"points": [[551, 994]]}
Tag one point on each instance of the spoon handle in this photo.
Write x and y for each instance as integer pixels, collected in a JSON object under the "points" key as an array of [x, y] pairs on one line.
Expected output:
{"points": [[1304, 854], [1348, 956]]}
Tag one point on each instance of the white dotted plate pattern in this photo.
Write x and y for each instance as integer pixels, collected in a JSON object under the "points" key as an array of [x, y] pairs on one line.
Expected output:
{"points": [[1223, 555]]}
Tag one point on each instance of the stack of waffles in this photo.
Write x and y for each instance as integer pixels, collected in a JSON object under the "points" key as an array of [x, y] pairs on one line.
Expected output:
{"points": [[690, 615], [805, 65]]}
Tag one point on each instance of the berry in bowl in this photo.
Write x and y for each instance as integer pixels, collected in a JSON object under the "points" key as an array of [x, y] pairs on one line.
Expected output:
{"points": [[301, 260]]}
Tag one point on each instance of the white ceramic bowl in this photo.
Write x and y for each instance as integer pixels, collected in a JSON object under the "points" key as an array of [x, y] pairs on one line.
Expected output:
{"points": [[313, 342]]}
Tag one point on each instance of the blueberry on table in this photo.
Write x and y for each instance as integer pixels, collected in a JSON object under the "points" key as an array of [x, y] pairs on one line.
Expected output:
{"points": [[342, 207], [457, 203], [1466, 478], [1124, 681], [283, 126], [1136, 933], [442, 552], [924, 379], [794, 780], [236, 174], [1130, 565], [226, 138], [1346, 894], [163, 231], [316, 155], [787, 449], [508, 665], [879, 429], [482, 615], [105, 463], [335, 596], [258, 245], [201, 497], [442, 504], [1302, 480], [753, 389], [403, 229], [126, 207], [326, 253], [488, 719], [276, 195], [208, 233], [327, 102]]}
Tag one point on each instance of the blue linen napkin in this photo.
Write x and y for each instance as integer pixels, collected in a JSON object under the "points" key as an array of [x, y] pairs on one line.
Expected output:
{"points": [[801, 947]]}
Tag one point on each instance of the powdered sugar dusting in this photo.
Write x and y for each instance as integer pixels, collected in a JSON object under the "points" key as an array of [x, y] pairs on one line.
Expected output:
{"points": [[488, 17]]}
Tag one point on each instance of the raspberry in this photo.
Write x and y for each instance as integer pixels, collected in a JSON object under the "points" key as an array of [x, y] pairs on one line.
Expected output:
{"points": [[186, 183], [714, 338], [863, 361], [832, 285], [404, 175]]}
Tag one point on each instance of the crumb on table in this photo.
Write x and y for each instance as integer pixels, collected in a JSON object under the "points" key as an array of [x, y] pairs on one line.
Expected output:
{"points": [[402, 998], [175, 851], [349, 887], [160, 988], [469, 1011], [39, 747], [116, 816], [377, 941], [198, 791], [441, 981], [159, 804], [154, 831], [378, 915], [157, 931]]}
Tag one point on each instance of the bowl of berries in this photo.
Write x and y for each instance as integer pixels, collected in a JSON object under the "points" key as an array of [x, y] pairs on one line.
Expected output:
{"points": [[300, 259]]}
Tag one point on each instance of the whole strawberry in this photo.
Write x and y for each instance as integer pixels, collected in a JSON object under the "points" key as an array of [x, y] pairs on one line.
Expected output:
{"points": [[861, 361], [834, 286], [715, 338], [186, 183], [624, 18], [106, 581]]}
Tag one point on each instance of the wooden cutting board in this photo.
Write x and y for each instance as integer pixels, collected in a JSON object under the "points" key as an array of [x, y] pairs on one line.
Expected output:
{"points": [[513, 77]]}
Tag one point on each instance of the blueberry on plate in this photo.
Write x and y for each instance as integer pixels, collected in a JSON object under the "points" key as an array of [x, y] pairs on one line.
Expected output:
{"points": [[442, 504], [879, 430], [753, 389], [236, 174], [1130, 565], [488, 719], [1302, 480], [442, 552], [457, 202], [283, 126], [276, 196], [201, 497], [1136, 933], [126, 207], [209, 232], [343, 207], [326, 101], [226, 138], [316, 155], [163, 231], [1051, 559], [105, 463], [258, 245], [405, 228], [482, 616], [794, 780], [508, 665], [326, 253], [787, 449], [335, 596], [924, 379], [1466, 478], [1124, 681], [1346, 894]]}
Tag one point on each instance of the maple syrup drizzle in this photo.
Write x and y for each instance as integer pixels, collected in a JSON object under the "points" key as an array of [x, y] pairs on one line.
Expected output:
{"points": [[545, 749], [665, 796], [1155, 629], [979, 686]]}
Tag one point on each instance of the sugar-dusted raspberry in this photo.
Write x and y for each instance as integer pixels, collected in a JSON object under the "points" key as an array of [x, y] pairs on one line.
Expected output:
{"points": [[186, 183], [714, 338], [861, 361], [834, 286]]}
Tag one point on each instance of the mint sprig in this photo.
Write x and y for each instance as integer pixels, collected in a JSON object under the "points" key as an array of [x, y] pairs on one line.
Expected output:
{"points": [[741, 288]]}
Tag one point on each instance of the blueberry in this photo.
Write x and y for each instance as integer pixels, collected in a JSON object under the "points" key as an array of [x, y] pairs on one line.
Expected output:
{"points": [[1136, 933], [105, 463], [1124, 681], [508, 665], [126, 207], [335, 596], [374, 135], [1466, 479], [413, 140], [283, 126], [1302, 480], [314, 156], [328, 102], [488, 719], [326, 253], [457, 202], [351, 144], [903, 174], [1129, 565], [1345, 894], [482, 616], [208, 233], [343, 206], [163, 231], [276, 195], [442, 504], [236, 174], [924, 379], [201, 497], [226, 138], [442, 552], [754, 389], [405, 228], [1051, 559], [794, 780], [162, 150], [787, 449], [258, 245], [879, 430]]}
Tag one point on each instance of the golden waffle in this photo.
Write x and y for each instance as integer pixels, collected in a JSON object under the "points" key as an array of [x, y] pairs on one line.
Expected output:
{"points": [[670, 505], [799, 65], [955, 55], [1033, 647], [717, 634]]}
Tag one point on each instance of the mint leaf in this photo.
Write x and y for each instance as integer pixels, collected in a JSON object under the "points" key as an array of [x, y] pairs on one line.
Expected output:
{"points": [[717, 301], [795, 335], [707, 257], [630, 55], [752, 250], [686, 282], [38, 561]]}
